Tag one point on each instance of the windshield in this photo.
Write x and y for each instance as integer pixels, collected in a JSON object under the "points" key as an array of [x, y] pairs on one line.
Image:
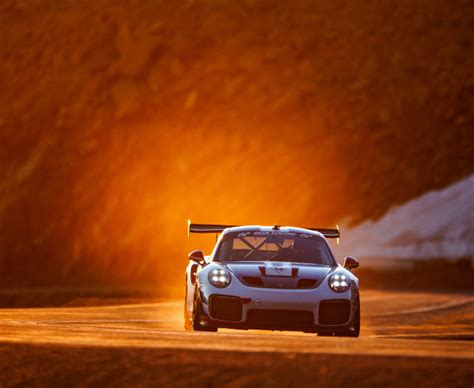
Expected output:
{"points": [[275, 246]]}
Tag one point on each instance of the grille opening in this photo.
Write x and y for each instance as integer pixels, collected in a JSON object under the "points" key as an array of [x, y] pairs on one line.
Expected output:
{"points": [[225, 308], [306, 283], [334, 312], [280, 318], [253, 281]]}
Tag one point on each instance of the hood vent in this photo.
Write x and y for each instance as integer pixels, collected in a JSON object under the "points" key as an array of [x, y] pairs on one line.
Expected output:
{"points": [[255, 281]]}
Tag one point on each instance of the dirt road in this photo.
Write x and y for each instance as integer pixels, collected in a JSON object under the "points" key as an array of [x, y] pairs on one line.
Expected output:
{"points": [[407, 338]]}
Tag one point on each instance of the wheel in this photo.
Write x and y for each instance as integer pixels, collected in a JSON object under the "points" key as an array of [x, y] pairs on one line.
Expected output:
{"points": [[197, 311], [187, 322], [352, 333], [346, 333], [187, 319], [356, 331]]}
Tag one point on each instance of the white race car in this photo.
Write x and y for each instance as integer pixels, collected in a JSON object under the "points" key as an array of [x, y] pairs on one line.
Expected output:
{"points": [[273, 278]]}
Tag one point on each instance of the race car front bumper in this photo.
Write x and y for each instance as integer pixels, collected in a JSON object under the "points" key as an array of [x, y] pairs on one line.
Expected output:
{"points": [[314, 310]]}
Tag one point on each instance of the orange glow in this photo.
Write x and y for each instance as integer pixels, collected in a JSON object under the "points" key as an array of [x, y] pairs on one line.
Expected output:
{"points": [[118, 127]]}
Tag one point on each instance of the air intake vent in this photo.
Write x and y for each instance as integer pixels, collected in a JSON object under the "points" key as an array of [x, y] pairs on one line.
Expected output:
{"points": [[334, 312], [307, 283], [253, 281], [283, 319], [226, 308]]}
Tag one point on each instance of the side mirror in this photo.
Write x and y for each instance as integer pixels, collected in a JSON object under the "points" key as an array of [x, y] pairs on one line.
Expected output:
{"points": [[350, 263], [197, 256]]}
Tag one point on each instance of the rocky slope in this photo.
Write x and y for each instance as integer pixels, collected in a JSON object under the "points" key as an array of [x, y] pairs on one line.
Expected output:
{"points": [[120, 120]]}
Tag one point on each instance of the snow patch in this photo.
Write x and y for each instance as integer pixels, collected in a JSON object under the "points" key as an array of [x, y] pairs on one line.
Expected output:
{"points": [[438, 224]]}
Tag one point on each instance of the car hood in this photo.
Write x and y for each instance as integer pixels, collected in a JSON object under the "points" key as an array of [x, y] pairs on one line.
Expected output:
{"points": [[278, 274]]}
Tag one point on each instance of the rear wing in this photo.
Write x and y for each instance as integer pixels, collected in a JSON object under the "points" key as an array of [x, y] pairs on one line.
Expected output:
{"points": [[218, 228], [328, 233]]}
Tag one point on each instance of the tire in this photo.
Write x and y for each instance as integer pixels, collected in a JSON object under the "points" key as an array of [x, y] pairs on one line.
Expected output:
{"points": [[325, 334], [197, 311], [187, 322], [349, 333], [186, 318], [346, 333], [356, 332]]}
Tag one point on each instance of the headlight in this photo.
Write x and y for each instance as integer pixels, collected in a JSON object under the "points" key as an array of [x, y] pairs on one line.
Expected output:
{"points": [[219, 277], [339, 282]]}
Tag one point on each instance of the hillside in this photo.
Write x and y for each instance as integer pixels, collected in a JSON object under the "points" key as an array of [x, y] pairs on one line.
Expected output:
{"points": [[120, 120]]}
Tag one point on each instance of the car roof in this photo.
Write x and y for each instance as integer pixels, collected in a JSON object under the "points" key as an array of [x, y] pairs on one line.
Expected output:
{"points": [[274, 228]]}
